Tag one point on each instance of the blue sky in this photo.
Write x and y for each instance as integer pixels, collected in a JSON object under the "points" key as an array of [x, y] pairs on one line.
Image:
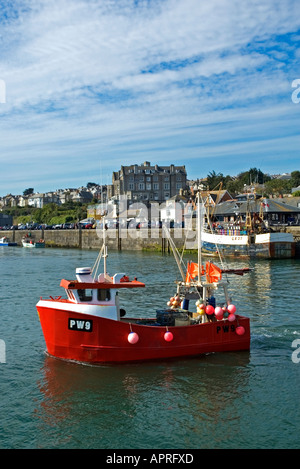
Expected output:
{"points": [[94, 84]]}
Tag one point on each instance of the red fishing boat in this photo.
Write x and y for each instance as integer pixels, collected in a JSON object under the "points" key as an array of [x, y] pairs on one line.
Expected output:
{"points": [[89, 325]]}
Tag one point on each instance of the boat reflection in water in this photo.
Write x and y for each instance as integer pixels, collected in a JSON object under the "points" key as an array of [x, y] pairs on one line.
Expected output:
{"points": [[133, 405]]}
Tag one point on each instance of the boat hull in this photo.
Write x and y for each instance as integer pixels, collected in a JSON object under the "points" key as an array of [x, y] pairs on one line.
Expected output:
{"points": [[91, 339], [261, 246], [34, 245]]}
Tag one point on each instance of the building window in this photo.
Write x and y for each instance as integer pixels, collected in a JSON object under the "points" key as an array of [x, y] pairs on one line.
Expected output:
{"points": [[131, 186], [155, 186], [148, 178], [178, 185], [167, 186], [141, 186], [167, 178], [148, 187]]}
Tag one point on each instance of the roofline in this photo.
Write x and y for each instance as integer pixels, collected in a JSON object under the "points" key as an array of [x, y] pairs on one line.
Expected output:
{"points": [[75, 285]]}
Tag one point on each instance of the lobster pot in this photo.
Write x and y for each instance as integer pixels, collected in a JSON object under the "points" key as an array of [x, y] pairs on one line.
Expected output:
{"points": [[182, 320], [169, 317], [165, 317]]}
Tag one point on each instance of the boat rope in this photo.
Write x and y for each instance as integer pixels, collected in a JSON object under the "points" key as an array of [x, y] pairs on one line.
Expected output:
{"points": [[178, 258], [97, 262]]}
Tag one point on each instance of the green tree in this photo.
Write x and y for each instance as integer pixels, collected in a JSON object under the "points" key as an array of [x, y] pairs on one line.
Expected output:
{"points": [[234, 186], [28, 191], [213, 180], [295, 179], [253, 176], [277, 187], [37, 215]]}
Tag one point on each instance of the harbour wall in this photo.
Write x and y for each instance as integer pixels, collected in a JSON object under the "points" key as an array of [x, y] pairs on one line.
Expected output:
{"points": [[127, 240], [133, 239]]}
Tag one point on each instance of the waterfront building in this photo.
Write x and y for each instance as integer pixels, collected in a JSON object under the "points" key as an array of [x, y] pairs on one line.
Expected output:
{"points": [[147, 183], [272, 211]]}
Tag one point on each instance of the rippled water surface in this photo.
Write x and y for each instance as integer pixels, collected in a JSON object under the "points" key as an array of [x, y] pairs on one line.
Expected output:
{"points": [[232, 400]]}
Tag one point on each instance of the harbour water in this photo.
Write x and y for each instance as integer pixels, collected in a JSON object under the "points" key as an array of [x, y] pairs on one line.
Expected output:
{"points": [[235, 400]]}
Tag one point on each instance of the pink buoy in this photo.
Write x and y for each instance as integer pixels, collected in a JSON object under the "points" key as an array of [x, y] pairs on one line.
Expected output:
{"points": [[231, 309], [209, 310], [133, 337], [219, 312], [231, 317], [168, 336], [240, 330]]}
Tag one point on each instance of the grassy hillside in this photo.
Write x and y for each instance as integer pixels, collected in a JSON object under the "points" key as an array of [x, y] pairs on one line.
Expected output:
{"points": [[70, 212]]}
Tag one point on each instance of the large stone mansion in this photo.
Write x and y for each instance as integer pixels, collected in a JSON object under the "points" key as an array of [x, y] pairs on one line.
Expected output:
{"points": [[147, 182]]}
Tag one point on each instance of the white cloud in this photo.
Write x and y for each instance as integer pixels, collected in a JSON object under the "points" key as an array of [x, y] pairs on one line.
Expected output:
{"points": [[115, 77]]}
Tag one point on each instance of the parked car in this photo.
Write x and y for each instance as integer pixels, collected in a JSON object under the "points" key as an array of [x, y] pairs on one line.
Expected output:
{"points": [[111, 224], [43, 226], [58, 226], [68, 226]]}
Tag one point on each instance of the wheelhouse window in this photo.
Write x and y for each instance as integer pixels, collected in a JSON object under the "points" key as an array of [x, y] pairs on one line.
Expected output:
{"points": [[85, 295], [103, 295]]}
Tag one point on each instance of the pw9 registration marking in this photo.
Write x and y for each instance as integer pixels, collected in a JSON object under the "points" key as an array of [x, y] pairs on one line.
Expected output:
{"points": [[80, 325]]}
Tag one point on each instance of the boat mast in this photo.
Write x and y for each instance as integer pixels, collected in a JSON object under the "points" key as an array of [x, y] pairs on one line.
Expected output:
{"points": [[104, 248], [199, 213]]}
